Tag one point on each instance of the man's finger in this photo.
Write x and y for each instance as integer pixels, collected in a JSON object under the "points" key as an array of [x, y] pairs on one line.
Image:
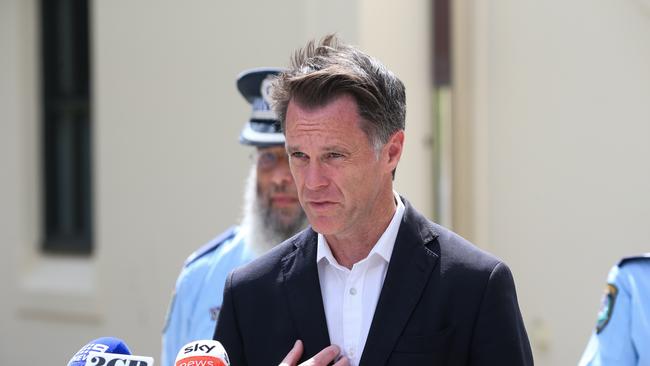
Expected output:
{"points": [[324, 357], [294, 355]]}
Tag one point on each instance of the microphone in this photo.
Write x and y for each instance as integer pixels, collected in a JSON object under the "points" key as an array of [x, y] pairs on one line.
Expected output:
{"points": [[100, 345], [202, 353], [116, 359], [107, 351]]}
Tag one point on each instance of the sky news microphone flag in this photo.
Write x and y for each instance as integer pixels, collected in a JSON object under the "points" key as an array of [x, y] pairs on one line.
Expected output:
{"points": [[203, 352]]}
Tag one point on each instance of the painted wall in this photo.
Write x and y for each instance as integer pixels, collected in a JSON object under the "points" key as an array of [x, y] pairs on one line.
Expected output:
{"points": [[553, 103], [167, 167], [550, 153]]}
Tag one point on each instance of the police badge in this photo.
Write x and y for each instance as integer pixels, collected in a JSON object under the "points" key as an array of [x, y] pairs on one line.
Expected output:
{"points": [[606, 307], [214, 313]]}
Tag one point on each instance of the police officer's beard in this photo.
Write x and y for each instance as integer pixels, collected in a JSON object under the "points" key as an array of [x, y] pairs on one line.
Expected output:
{"points": [[264, 227]]}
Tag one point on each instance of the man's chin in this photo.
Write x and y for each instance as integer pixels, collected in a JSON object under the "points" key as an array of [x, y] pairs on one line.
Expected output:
{"points": [[291, 205], [287, 223], [282, 218], [286, 212]]}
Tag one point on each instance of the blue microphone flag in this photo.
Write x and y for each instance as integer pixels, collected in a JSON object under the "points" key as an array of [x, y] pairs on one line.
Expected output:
{"points": [[104, 345]]}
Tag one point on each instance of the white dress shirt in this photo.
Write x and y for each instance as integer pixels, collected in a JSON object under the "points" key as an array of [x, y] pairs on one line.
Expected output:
{"points": [[350, 295]]}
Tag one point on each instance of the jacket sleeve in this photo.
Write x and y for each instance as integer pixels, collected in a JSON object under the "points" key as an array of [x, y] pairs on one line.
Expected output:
{"points": [[500, 335], [227, 331]]}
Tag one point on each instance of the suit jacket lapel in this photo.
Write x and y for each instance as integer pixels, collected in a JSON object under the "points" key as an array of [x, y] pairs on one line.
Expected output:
{"points": [[304, 295], [408, 272]]}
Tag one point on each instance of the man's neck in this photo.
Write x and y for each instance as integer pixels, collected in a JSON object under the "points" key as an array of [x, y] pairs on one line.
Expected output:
{"points": [[350, 248]]}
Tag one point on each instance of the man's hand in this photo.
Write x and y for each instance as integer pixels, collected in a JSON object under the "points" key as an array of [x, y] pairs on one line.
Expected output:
{"points": [[322, 358]]}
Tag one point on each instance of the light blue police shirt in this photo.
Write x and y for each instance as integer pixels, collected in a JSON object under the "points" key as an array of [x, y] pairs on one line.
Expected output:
{"points": [[622, 334], [195, 306]]}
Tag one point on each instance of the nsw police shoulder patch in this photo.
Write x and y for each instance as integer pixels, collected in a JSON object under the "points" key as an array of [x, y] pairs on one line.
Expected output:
{"points": [[606, 307], [214, 313]]}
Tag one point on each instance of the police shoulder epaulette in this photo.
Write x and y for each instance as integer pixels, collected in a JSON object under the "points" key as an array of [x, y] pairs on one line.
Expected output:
{"points": [[626, 260], [211, 246]]}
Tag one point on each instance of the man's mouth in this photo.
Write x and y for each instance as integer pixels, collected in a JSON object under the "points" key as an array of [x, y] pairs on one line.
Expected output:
{"points": [[283, 200], [320, 205]]}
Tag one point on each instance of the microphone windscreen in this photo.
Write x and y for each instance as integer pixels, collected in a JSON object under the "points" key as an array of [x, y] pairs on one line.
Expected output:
{"points": [[104, 345], [202, 353], [115, 359]]}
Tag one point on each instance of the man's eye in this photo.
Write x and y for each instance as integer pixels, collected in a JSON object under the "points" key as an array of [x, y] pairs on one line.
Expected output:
{"points": [[267, 158], [333, 155], [298, 155]]}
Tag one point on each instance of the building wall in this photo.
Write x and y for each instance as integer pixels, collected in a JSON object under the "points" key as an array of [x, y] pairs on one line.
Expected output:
{"points": [[549, 151], [168, 170], [552, 107]]}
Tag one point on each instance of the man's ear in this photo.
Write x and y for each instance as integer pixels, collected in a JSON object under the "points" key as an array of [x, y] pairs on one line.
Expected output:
{"points": [[393, 149]]}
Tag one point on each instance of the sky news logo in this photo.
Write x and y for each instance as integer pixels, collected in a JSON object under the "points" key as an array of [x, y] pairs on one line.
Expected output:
{"points": [[200, 361]]}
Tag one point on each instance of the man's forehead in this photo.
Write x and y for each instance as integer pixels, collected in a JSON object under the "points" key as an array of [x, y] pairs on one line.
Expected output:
{"points": [[332, 146]]}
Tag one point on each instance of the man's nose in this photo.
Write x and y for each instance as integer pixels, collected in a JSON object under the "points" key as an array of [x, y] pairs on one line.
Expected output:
{"points": [[314, 176], [282, 174]]}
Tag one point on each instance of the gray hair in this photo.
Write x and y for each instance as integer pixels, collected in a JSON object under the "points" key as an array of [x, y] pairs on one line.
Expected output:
{"points": [[321, 72]]}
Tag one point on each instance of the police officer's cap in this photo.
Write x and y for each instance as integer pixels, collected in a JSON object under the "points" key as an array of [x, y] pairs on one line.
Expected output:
{"points": [[263, 127]]}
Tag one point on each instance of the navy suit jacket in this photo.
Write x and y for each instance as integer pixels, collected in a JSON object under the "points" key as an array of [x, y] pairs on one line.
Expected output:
{"points": [[443, 302]]}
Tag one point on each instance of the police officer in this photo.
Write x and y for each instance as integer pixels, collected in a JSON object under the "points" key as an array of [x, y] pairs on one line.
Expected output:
{"points": [[622, 334], [272, 213]]}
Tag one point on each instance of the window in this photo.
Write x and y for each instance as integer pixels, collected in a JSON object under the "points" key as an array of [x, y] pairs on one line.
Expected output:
{"points": [[66, 126]]}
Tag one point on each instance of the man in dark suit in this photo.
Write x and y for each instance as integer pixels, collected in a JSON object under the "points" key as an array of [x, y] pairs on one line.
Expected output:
{"points": [[371, 282]]}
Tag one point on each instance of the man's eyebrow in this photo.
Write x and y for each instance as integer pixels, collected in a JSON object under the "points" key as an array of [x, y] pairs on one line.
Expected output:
{"points": [[336, 148], [330, 148], [292, 148]]}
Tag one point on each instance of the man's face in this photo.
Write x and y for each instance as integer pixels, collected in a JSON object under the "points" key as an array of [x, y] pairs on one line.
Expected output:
{"points": [[339, 175], [276, 191]]}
